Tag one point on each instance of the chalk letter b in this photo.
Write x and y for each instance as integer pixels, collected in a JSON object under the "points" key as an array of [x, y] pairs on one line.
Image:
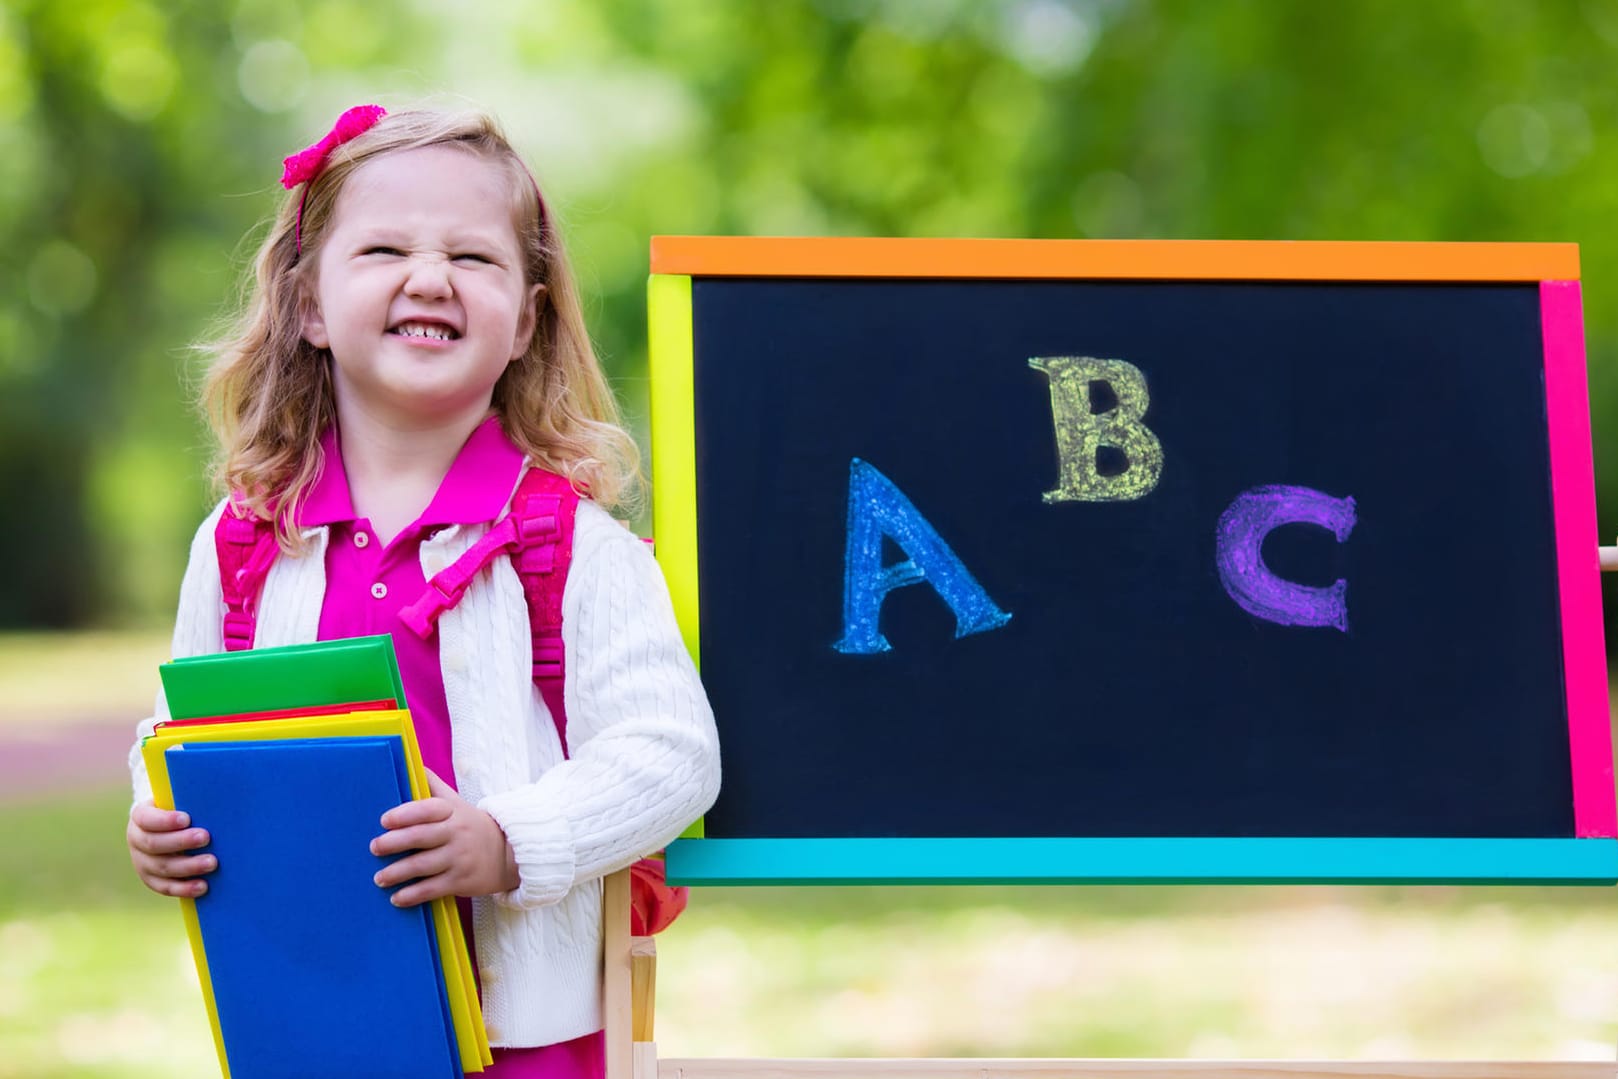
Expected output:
{"points": [[1247, 580], [1081, 431], [877, 508]]}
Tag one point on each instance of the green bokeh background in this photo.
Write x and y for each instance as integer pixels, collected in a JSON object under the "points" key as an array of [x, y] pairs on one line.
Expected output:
{"points": [[141, 141], [140, 148]]}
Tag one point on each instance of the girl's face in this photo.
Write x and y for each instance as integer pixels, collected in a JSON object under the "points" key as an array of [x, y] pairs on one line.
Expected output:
{"points": [[419, 292]]}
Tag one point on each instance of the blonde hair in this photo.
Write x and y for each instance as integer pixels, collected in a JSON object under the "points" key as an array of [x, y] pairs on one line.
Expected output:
{"points": [[268, 392]]}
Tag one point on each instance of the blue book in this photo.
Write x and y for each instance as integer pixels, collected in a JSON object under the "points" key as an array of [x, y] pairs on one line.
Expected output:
{"points": [[314, 972]]}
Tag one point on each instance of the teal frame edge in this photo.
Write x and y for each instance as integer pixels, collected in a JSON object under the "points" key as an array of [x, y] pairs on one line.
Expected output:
{"points": [[1132, 860]]}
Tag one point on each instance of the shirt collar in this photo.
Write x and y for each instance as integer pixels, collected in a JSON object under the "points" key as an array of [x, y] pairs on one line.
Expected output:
{"points": [[475, 489], [328, 500]]}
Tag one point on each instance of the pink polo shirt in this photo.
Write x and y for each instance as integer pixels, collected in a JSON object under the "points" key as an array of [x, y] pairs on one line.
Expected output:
{"points": [[369, 583]]}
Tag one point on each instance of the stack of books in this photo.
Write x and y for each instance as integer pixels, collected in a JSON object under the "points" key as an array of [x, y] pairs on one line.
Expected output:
{"points": [[289, 757]]}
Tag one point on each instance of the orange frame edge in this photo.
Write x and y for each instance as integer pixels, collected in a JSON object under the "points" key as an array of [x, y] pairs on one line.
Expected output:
{"points": [[1186, 260]]}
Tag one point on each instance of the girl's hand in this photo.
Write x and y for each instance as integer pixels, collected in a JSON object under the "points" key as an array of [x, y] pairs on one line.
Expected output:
{"points": [[159, 840], [459, 849]]}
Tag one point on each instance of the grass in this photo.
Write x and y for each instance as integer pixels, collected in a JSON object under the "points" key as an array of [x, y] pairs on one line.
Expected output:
{"points": [[1179, 972], [96, 979], [95, 975], [42, 676]]}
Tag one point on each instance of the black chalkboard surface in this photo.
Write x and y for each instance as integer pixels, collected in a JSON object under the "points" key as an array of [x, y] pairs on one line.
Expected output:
{"points": [[1239, 561]]}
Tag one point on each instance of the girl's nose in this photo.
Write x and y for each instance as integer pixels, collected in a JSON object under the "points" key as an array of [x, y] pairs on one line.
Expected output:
{"points": [[429, 276]]}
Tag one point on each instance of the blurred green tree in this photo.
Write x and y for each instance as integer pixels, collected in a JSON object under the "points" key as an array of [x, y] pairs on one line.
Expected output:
{"points": [[139, 142]]}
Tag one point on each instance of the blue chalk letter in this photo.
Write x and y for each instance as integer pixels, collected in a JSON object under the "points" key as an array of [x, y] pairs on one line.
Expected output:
{"points": [[876, 508]]}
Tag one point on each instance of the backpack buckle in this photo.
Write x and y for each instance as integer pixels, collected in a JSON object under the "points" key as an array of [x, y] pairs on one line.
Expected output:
{"points": [[549, 656], [241, 531], [538, 559], [422, 615], [538, 517], [238, 631]]}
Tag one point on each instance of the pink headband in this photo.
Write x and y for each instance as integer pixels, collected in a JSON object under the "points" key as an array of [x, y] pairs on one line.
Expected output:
{"points": [[305, 165]]}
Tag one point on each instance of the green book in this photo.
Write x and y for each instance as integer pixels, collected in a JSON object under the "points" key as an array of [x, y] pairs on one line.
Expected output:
{"points": [[275, 679]]}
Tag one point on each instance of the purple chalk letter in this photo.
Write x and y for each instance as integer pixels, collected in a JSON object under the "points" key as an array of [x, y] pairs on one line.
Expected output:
{"points": [[1242, 528]]}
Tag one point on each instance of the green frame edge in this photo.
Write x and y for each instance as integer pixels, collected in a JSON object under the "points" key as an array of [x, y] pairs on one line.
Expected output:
{"points": [[1135, 860]]}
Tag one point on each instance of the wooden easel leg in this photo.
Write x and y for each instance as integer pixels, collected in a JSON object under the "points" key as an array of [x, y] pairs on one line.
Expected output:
{"points": [[643, 989], [617, 1006], [643, 985], [645, 1060]]}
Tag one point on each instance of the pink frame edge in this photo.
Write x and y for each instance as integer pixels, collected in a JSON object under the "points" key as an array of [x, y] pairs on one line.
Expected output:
{"points": [[1567, 405]]}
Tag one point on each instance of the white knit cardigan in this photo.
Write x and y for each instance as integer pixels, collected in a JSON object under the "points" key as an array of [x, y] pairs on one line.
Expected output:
{"points": [[644, 755]]}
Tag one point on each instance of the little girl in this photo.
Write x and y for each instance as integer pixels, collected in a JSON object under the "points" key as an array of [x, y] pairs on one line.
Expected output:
{"points": [[414, 344]]}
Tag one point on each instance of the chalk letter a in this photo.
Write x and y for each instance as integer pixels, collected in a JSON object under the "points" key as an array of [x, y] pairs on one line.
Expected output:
{"points": [[876, 508]]}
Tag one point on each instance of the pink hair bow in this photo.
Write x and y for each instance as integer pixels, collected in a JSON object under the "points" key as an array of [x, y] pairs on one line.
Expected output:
{"points": [[305, 165]]}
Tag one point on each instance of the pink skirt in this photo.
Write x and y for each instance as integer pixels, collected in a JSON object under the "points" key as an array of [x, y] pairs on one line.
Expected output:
{"points": [[584, 1057], [581, 1058]]}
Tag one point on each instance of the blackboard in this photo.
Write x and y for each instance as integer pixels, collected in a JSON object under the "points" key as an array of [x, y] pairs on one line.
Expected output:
{"points": [[1268, 571]]}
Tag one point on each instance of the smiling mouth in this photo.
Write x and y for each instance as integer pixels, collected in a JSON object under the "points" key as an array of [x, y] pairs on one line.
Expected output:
{"points": [[430, 330]]}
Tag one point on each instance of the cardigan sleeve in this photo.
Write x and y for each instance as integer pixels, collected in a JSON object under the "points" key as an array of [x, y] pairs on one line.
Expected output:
{"points": [[644, 752], [198, 630]]}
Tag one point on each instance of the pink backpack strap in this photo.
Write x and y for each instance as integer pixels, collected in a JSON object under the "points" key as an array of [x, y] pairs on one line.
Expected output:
{"points": [[538, 532], [247, 547], [547, 506]]}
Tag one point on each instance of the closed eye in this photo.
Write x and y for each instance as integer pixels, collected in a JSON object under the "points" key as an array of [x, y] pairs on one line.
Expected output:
{"points": [[473, 256], [381, 250]]}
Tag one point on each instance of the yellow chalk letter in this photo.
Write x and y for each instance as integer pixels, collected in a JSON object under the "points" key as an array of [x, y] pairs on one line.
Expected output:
{"points": [[1082, 431]]}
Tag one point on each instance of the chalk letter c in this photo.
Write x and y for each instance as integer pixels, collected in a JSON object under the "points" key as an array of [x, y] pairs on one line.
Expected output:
{"points": [[1247, 580]]}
